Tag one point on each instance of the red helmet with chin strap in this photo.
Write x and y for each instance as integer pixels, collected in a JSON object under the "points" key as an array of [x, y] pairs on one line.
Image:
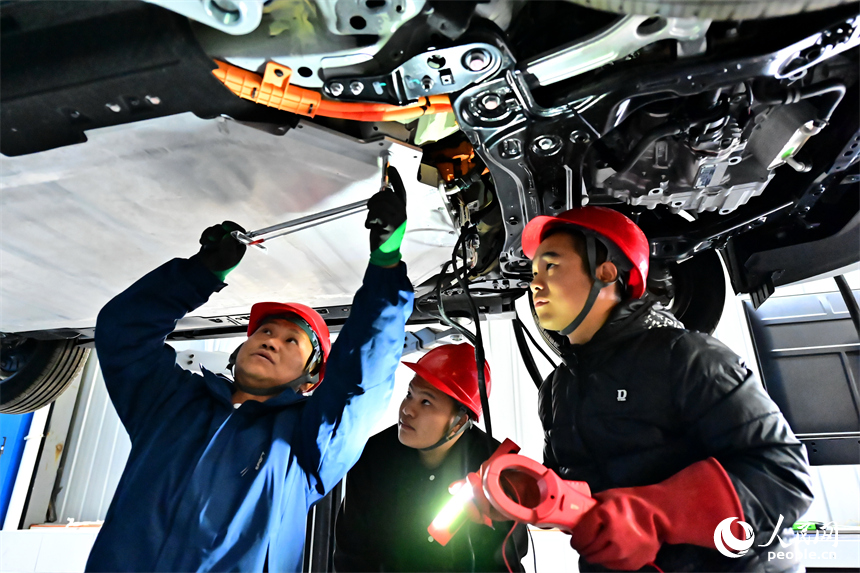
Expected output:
{"points": [[263, 310], [452, 369], [607, 224]]}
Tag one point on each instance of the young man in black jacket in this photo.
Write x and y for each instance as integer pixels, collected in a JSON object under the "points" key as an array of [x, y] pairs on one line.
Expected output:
{"points": [[401, 481], [668, 427]]}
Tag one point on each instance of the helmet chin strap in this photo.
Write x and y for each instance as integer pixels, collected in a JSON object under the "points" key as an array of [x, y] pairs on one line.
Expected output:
{"points": [[294, 385], [446, 438], [596, 287]]}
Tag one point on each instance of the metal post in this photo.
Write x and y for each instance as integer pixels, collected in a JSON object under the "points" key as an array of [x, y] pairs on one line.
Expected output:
{"points": [[320, 537], [850, 301]]}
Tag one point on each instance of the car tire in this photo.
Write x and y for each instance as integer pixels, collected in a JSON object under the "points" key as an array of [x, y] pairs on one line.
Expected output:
{"points": [[34, 373], [693, 290], [711, 9]]}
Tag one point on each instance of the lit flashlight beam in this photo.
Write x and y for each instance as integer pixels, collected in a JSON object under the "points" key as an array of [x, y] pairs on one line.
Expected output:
{"points": [[452, 516]]}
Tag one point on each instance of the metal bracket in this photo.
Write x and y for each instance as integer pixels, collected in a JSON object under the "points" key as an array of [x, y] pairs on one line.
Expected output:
{"points": [[849, 154], [535, 154], [681, 248], [794, 60], [432, 73]]}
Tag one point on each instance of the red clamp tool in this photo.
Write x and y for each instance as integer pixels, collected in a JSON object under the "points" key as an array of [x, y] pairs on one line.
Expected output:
{"points": [[542, 498], [545, 500]]}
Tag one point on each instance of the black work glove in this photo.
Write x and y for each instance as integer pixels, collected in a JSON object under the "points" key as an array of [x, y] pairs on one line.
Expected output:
{"points": [[220, 252], [386, 219]]}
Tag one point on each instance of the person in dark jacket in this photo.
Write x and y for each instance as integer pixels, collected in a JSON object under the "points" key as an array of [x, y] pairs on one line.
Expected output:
{"points": [[672, 432], [401, 481], [222, 472]]}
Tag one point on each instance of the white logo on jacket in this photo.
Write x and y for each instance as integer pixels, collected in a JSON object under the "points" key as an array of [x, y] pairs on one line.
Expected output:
{"points": [[622, 395]]}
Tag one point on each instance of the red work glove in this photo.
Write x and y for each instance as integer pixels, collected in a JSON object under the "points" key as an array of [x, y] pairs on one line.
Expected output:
{"points": [[628, 525]]}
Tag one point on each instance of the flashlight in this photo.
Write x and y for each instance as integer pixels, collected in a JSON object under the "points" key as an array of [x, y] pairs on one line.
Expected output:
{"points": [[455, 513], [452, 517]]}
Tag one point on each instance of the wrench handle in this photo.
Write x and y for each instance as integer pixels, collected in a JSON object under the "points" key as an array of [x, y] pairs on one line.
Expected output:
{"points": [[249, 241]]}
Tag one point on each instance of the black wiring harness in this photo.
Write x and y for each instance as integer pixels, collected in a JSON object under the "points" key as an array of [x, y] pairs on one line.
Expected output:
{"points": [[461, 274]]}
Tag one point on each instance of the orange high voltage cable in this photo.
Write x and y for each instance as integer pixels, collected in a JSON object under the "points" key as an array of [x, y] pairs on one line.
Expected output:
{"points": [[274, 90]]}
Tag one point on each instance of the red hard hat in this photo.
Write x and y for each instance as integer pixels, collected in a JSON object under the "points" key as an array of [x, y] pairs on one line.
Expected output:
{"points": [[452, 369], [262, 310], [605, 222]]}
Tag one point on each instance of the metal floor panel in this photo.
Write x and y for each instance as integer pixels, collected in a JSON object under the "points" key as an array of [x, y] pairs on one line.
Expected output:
{"points": [[79, 224]]}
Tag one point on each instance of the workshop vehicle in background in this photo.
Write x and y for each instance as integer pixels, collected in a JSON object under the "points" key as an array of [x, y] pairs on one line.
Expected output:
{"points": [[719, 127]]}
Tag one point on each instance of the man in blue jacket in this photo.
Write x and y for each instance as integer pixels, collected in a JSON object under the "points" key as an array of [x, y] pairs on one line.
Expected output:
{"points": [[222, 473]]}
